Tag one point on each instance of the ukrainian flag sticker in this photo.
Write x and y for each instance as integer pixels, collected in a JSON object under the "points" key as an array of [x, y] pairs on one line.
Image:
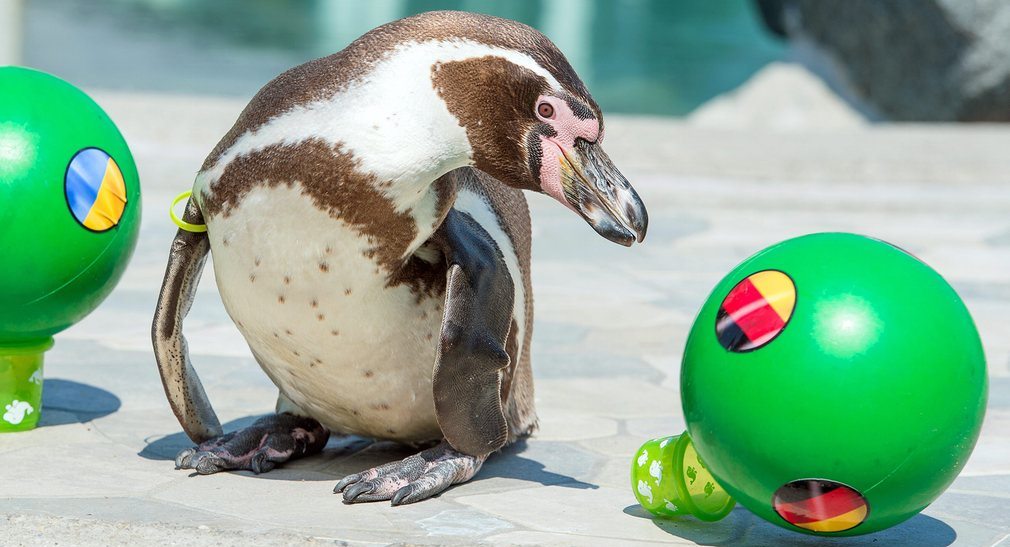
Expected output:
{"points": [[95, 190]]}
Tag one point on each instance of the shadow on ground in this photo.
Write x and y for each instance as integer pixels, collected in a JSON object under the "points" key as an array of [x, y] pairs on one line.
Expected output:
{"points": [[742, 527], [508, 464], [351, 454], [68, 402], [165, 448]]}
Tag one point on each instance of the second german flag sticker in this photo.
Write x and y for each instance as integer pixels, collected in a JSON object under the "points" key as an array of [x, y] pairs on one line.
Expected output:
{"points": [[820, 505], [755, 311]]}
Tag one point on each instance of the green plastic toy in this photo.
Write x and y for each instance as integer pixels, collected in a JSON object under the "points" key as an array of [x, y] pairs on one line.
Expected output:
{"points": [[833, 384], [670, 480], [69, 220]]}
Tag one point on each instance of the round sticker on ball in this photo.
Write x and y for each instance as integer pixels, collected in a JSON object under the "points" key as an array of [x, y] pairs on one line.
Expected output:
{"points": [[755, 311], [820, 505], [95, 190]]}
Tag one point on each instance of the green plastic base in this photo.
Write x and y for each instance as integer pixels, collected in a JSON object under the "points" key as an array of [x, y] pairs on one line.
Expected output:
{"points": [[669, 480], [21, 385]]}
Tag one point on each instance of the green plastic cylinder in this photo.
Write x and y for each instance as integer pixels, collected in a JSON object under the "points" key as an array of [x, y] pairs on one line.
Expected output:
{"points": [[669, 480], [856, 398]]}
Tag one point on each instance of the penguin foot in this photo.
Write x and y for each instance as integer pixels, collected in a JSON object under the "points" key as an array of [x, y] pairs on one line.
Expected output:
{"points": [[418, 477], [258, 448]]}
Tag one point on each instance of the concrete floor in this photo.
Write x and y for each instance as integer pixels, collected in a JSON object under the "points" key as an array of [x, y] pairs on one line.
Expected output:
{"points": [[611, 324]]}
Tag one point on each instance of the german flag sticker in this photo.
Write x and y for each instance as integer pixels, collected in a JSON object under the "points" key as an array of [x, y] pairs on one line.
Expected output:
{"points": [[755, 311], [820, 505]]}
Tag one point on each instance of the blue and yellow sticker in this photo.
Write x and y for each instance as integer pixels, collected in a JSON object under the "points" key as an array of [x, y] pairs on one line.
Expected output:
{"points": [[95, 189]]}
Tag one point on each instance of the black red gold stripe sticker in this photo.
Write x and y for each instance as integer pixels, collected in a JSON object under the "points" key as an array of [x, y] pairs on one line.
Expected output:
{"points": [[820, 505], [755, 311]]}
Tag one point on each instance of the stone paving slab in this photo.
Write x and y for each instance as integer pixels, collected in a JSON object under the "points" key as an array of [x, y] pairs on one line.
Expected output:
{"points": [[611, 323]]}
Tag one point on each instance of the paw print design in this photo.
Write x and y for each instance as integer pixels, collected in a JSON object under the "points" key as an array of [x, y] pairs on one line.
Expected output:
{"points": [[656, 471], [642, 458], [16, 411], [709, 488], [691, 473], [645, 490]]}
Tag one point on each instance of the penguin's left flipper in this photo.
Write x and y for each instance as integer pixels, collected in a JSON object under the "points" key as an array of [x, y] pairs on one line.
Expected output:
{"points": [[472, 361], [470, 370]]}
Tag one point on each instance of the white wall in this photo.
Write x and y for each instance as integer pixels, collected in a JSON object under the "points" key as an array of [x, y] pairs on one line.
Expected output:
{"points": [[11, 20]]}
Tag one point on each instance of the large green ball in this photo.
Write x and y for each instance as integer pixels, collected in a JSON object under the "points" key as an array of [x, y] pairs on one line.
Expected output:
{"points": [[840, 390], [69, 205]]}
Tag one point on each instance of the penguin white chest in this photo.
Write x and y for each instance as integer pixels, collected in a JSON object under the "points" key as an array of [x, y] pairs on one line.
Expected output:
{"points": [[317, 312]]}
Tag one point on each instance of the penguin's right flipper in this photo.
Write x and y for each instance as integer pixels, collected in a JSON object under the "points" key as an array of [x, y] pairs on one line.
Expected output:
{"points": [[472, 360], [182, 385]]}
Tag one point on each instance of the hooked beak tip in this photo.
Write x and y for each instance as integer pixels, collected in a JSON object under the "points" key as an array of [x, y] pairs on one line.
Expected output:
{"points": [[624, 230], [641, 225], [596, 190]]}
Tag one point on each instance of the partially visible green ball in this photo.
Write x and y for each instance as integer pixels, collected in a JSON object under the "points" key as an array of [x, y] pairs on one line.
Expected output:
{"points": [[834, 384], [70, 212]]}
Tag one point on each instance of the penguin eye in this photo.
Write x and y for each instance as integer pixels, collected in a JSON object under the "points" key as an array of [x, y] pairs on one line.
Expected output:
{"points": [[545, 110]]}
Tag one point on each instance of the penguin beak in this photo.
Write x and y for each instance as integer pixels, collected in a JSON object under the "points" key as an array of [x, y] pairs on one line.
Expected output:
{"points": [[598, 192]]}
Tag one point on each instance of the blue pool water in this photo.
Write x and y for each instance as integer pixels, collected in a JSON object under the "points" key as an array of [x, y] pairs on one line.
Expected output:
{"points": [[637, 56]]}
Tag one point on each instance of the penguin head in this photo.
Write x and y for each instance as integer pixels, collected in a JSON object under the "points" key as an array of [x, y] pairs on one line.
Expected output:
{"points": [[566, 160], [532, 124]]}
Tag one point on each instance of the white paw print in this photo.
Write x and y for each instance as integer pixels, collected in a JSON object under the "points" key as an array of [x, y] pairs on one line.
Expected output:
{"points": [[656, 470], [36, 378], [16, 411], [642, 458], [644, 490]]}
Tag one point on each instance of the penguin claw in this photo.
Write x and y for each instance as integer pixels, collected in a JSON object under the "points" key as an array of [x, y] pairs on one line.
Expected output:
{"points": [[401, 495], [357, 490], [345, 482], [183, 459], [432, 482], [261, 462], [412, 479], [206, 463]]}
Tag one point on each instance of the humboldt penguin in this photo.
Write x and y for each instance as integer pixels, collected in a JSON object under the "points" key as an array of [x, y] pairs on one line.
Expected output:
{"points": [[371, 242]]}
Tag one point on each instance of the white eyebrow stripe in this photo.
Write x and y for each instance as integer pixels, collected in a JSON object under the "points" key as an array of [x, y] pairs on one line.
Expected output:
{"points": [[459, 49]]}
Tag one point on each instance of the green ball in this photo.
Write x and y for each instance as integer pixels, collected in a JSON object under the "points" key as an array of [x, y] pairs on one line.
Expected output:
{"points": [[834, 384], [71, 205]]}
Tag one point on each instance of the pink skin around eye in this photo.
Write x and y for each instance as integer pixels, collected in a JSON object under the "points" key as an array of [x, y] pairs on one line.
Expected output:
{"points": [[568, 127]]}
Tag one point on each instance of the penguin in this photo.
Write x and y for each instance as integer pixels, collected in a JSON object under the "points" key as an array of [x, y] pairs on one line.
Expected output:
{"points": [[371, 242]]}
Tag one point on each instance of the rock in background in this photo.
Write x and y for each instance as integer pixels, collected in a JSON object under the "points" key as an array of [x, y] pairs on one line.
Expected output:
{"points": [[905, 60], [781, 97]]}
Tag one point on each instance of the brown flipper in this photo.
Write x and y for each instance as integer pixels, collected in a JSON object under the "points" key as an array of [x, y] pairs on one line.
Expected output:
{"points": [[182, 385], [472, 354], [509, 205]]}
